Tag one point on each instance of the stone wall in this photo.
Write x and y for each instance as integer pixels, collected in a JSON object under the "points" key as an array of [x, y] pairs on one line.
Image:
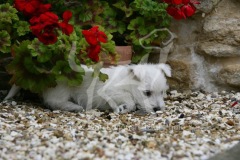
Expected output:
{"points": [[206, 52]]}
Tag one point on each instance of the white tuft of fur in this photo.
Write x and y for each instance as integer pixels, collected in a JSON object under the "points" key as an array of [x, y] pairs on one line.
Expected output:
{"points": [[13, 91], [166, 69]]}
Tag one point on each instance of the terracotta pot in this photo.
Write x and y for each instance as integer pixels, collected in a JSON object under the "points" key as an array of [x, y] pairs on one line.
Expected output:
{"points": [[124, 56]]}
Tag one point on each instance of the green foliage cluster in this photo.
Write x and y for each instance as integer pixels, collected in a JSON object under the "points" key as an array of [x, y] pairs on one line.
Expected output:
{"points": [[127, 20], [36, 66], [12, 29]]}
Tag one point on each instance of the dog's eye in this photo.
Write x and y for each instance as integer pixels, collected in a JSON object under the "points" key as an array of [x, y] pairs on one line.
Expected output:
{"points": [[147, 93]]}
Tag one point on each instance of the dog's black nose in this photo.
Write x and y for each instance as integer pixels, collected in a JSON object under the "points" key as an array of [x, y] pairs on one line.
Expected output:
{"points": [[155, 109]]}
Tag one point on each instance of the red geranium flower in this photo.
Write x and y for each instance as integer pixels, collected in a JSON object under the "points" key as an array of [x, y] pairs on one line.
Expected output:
{"points": [[47, 38], [93, 36], [28, 7], [180, 9], [48, 18], [43, 8], [185, 1], [176, 13], [176, 2], [44, 27], [66, 28], [188, 10], [45, 20], [93, 52]]}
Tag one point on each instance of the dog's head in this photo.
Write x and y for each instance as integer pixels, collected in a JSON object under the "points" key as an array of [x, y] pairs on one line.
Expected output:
{"points": [[152, 85]]}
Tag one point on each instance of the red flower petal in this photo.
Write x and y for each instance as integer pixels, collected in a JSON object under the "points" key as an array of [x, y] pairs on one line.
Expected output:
{"points": [[93, 52], [66, 28], [176, 2], [188, 10], [94, 29], [93, 36], [176, 13], [90, 37], [44, 8], [26, 6], [185, 1], [102, 37], [37, 29], [49, 18], [67, 15], [48, 38], [34, 20]]}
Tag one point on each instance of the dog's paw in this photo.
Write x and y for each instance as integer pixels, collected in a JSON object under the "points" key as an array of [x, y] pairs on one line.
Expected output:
{"points": [[123, 108]]}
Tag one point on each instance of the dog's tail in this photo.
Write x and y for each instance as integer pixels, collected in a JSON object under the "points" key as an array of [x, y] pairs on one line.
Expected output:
{"points": [[166, 69], [13, 91]]}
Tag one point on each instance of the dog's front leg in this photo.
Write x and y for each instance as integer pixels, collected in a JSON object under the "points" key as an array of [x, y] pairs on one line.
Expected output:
{"points": [[127, 105], [120, 102], [125, 108], [13, 91]]}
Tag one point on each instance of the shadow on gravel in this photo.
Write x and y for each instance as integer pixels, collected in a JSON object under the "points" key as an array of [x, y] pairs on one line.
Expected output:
{"points": [[231, 154]]}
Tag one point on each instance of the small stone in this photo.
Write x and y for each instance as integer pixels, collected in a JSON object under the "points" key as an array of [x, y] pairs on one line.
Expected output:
{"points": [[230, 123], [220, 112], [200, 96], [167, 122], [181, 115], [14, 103], [58, 133], [173, 92], [151, 144]]}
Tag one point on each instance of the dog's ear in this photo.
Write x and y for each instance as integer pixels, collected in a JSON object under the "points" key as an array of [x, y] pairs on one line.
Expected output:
{"points": [[165, 68], [135, 74]]}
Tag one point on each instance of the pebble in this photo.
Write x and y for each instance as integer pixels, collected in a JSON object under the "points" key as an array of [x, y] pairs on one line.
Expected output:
{"points": [[194, 125], [14, 103]]}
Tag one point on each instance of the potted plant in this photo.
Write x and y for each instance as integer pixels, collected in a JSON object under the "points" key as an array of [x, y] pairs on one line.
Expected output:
{"points": [[129, 21], [45, 48], [42, 36]]}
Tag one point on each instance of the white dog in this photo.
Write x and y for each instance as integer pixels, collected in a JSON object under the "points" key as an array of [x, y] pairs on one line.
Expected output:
{"points": [[140, 86]]}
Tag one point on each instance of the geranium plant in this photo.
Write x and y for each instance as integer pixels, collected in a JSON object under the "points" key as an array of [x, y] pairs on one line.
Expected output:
{"points": [[41, 43], [42, 36], [129, 21]]}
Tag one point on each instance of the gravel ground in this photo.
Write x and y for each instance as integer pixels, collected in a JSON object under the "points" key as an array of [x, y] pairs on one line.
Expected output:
{"points": [[193, 126]]}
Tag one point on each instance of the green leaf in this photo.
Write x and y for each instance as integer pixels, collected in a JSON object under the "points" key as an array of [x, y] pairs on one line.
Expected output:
{"points": [[121, 27], [135, 23], [8, 13], [41, 51], [87, 16], [150, 8], [34, 47], [22, 27], [29, 65], [65, 74], [5, 42], [122, 6], [103, 77], [109, 12], [25, 72], [59, 67]]}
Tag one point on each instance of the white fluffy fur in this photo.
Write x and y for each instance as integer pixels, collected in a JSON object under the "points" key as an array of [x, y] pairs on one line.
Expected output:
{"points": [[140, 86], [124, 90]]}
